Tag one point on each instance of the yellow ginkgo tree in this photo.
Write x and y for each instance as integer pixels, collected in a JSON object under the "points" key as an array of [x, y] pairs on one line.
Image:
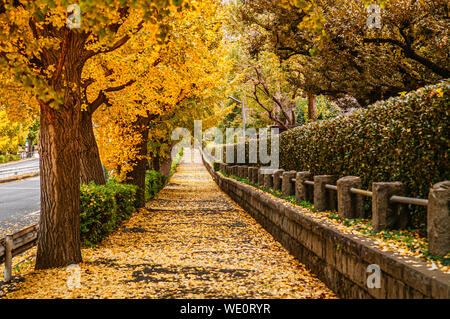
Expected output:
{"points": [[45, 46], [180, 80]]}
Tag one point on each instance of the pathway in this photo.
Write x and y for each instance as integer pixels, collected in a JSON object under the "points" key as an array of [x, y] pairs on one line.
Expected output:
{"points": [[191, 241]]}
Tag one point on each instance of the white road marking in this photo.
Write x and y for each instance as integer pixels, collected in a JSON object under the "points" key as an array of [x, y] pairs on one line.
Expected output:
{"points": [[18, 188]]}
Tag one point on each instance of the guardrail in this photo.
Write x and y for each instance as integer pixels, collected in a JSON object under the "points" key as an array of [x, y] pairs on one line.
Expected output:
{"points": [[344, 195], [24, 155], [15, 244]]}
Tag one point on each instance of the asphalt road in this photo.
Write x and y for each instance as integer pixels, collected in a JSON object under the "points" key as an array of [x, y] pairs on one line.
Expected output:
{"points": [[19, 164], [19, 167], [19, 204]]}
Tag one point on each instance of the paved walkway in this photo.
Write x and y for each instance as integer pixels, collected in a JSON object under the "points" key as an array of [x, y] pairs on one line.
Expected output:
{"points": [[192, 241]]}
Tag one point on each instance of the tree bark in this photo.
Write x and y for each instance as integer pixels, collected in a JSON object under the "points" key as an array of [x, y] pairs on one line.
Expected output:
{"points": [[90, 163], [59, 225], [312, 108], [137, 175]]}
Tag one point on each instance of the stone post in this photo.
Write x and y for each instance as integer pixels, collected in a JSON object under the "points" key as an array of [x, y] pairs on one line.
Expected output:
{"points": [[260, 177], [438, 219], [287, 186], [244, 171], [249, 173], [385, 214], [253, 174], [349, 205], [240, 171], [324, 199], [268, 180], [303, 192], [277, 179]]}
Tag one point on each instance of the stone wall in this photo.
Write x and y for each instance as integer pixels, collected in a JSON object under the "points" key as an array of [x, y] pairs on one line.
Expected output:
{"points": [[340, 260]]}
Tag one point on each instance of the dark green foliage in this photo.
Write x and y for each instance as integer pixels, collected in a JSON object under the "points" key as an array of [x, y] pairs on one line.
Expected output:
{"points": [[176, 161], [401, 139], [216, 166], [103, 208], [154, 182]]}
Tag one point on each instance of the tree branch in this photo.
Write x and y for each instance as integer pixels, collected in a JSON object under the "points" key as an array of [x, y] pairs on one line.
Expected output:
{"points": [[119, 43], [102, 98]]}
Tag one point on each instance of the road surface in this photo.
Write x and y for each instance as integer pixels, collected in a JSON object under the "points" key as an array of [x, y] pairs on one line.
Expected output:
{"points": [[19, 204]]}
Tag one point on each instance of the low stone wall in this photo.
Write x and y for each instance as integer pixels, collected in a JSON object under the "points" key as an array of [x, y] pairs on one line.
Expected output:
{"points": [[338, 259]]}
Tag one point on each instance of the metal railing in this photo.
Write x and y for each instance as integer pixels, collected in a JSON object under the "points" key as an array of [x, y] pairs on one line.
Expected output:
{"points": [[362, 192], [409, 200]]}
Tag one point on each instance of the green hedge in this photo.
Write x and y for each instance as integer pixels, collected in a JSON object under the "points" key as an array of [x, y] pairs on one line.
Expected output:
{"points": [[154, 182], [9, 158], [103, 208], [401, 139]]}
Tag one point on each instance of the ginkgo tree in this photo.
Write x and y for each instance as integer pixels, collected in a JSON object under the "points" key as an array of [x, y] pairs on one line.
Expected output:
{"points": [[180, 79], [43, 60]]}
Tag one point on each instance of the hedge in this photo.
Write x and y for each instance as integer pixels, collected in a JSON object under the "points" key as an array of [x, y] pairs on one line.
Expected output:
{"points": [[154, 182], [405, 139], [103, 208]]}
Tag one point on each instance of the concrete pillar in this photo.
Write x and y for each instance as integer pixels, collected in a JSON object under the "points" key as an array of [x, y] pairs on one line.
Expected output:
{"points": [[260, 177], [277, 179], [244, 171], [253, 174], [349, 205], [240, 171], [385, 214], [303, 192], [438, 219], [287, 186], [268, 181], [249, 174], [324, 199]]}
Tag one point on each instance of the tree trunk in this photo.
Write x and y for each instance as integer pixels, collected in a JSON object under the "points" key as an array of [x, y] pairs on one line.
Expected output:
{"points": [[155, 160], [59, 226], [137, 175], [312, 108], [91, 166]]}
